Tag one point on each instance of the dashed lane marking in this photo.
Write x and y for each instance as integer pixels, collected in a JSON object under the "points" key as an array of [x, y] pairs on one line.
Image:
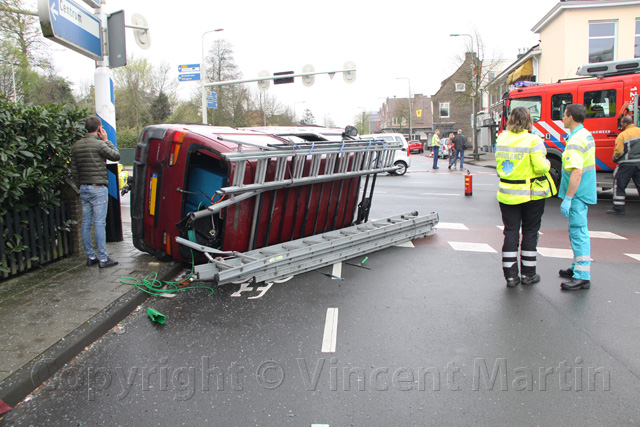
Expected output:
{"points": [[330, 331], [471, 247], [337, 271], [442, 194], [555, 252], [634, 256]]}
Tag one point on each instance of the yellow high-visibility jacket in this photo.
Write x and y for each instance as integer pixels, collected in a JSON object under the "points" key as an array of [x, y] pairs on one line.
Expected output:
{"points": [[523, 168]]}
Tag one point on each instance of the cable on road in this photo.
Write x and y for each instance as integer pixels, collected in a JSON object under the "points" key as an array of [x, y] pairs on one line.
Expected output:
{"points": [[154, 287]]}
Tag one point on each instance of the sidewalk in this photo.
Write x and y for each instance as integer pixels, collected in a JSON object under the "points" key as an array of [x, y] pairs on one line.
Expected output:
{"points": [[50, 314], [487, 160]]}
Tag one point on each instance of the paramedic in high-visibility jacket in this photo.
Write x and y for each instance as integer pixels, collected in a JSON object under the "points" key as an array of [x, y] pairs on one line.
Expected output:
{"points": [[524, 185], [627, 155], [578, 191]]}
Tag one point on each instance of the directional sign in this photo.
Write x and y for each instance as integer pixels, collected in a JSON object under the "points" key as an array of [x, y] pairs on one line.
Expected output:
{"points": [[189, 77], [212, 104], [188, 67], [68, 24], [213, 96], [93, 3]]}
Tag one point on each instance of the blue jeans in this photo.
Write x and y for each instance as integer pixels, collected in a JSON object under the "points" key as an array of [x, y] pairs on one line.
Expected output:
{"points": [[461, 154], [94, 212], [436, 150]]}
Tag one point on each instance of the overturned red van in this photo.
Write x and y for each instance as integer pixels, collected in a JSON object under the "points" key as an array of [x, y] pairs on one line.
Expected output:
{"points": [[238, 190]]}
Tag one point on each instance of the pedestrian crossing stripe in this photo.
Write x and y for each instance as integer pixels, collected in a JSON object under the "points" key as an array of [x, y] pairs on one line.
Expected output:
{"points": [[452, 226], [605, 235], [634, 256], [556, 252], [472, 247]]}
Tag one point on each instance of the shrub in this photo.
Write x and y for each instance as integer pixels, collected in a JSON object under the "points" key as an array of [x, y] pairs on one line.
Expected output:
{"points": [[35, 152], [127, 138]]}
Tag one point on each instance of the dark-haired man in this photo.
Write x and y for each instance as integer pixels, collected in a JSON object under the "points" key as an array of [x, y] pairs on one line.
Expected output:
{"points": [[578, 191], [89, 171]]}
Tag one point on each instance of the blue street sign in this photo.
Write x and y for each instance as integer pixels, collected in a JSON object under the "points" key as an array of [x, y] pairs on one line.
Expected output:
{"points": [[189, 77], [212, 104], [70, 25], [188, 67], [213, 96]]}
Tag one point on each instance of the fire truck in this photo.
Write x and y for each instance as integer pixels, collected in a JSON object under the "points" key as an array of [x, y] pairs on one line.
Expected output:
{"points": [[607, 90]]}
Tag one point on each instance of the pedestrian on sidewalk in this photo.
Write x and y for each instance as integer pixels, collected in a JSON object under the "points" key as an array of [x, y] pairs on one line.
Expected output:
{"points": [[627, 155], [460, 143], [435, 145], [524, 185], [578, 190], [89, 172]]}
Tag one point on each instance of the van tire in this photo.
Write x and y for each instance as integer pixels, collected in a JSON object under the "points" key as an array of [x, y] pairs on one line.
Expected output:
{"points": [[556, 170]]}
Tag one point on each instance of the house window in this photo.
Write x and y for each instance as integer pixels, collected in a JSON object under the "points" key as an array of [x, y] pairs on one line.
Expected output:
{"points": [[636, 49], [394, 121], [460, 87], [602, 41], [444, 110]]}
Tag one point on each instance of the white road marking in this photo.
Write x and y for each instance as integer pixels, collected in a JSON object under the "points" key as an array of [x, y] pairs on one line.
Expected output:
{"points": [[330, 331], [263, 290], [634, 256], [319, 425], [337, 271], [408, 244], [451, 226], [555, 252], [472, 247], [605, 235], [244, 287], [442, 194]]}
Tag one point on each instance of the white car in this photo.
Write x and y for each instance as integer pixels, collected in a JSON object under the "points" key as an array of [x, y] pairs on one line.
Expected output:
{"points": [[401, 158]]}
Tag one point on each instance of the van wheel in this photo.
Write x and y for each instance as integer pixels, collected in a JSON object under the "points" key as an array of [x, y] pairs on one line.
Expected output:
{"points": [[402, 168], [555, 171]]}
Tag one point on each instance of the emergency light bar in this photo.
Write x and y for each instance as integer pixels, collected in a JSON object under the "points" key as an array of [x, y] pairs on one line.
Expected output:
{"points": [[610, 68]]}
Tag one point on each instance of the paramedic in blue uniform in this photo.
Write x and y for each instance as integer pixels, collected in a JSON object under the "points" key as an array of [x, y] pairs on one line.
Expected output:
{"points": [[578, 191], [524, 185]]}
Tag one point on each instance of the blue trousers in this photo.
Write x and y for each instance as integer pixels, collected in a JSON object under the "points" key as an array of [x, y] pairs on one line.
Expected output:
{"points": [[580, 240], [436, 151], [94, 212], [459, 153]]}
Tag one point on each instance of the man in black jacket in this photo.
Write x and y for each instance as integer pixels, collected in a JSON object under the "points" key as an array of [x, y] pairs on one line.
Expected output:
{"points": [[89, 171], [460, 143]]}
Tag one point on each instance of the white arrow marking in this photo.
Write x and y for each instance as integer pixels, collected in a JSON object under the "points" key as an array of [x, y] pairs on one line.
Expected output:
{"points": [[54, 11]]}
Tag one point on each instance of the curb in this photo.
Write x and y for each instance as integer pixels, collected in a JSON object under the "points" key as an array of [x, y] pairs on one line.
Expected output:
{"points": [[25, 380]]}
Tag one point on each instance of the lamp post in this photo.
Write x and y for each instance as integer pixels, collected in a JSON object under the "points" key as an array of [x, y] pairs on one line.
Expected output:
{"points": [[202, 77], [476, 87], [410, 106]]}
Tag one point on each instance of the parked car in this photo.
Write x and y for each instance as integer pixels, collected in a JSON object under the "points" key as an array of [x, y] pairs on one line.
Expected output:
{"points": [[415, 147], [445, 149], [401, 157]]}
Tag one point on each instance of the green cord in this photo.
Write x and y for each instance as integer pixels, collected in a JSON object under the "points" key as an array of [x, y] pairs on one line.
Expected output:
{"points": [[152, 286]]}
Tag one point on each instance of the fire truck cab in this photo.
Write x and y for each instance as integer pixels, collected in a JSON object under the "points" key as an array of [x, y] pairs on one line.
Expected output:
{"points": [[608, 92]]}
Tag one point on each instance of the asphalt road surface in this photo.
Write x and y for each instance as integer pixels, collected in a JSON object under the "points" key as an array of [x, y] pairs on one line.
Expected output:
{"points": [[426, 334]]}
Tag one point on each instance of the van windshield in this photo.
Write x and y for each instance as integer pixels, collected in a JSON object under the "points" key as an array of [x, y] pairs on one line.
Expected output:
{"points": [[531, 103]]}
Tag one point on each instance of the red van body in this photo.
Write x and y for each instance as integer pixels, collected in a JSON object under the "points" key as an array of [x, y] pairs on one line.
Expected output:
{"points": [[179, 168], [606, 100]]}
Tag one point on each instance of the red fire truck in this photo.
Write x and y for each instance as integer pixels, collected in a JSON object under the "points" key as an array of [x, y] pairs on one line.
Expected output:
{"points": [[608, 92]]}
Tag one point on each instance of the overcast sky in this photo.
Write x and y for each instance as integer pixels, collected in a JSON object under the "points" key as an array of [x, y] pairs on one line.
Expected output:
{"points": [[386, 40]]}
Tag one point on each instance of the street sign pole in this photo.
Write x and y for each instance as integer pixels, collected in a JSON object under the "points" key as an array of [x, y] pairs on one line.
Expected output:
{"points": [[106, 110]]}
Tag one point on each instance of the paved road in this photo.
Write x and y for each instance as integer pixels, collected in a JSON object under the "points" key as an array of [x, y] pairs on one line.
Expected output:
{"points": [[428, 335]]}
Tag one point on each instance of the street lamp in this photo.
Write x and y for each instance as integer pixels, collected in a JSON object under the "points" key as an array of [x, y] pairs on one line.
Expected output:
{"points": [[202, 77], [476, 83], [410, 106]]}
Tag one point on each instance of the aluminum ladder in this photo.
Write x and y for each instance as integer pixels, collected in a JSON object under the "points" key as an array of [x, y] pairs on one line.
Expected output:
{"points": [[310, 253], [342, 160]]}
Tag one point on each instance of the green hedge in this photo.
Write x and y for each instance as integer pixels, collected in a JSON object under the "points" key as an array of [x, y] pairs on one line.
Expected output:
{"points": [[35, 151]]}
